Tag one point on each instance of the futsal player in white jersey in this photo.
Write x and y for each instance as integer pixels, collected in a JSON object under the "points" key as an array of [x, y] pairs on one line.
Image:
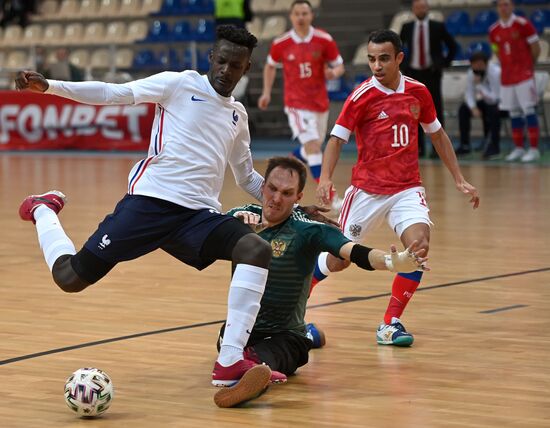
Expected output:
{"points": [[173, 196]]}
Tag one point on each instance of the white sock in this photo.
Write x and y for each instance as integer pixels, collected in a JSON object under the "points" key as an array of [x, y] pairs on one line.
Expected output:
{"points": [[51, 236], [245, 293], [322, 264], [303, 153], [315, 159]]}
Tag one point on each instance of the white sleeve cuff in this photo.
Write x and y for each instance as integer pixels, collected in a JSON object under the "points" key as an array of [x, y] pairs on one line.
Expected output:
{"points": [[533, 39], [430, 128], [341, 132], [336, 62], [272, 62]]}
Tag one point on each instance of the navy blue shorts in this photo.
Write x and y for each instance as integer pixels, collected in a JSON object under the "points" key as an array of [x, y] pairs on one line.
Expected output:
{"points": [[142, 224]]}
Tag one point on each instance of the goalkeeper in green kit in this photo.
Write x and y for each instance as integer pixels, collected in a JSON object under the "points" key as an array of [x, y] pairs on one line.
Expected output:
{"points": [[280, 338]]}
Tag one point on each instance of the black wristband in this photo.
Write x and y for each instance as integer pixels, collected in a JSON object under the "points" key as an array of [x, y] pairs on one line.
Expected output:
{"points": [[360, 256]]}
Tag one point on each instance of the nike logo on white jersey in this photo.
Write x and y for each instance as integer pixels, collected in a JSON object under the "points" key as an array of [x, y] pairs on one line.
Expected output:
{"points": [[382, 115], [105, 241], [194, 98]]}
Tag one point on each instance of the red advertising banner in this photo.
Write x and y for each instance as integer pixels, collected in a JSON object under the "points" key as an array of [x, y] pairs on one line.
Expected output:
{"points": [[30, 121]]}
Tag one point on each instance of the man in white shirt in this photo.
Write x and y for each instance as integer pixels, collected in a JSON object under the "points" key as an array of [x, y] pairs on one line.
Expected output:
{"points": [[173, 196], [481, 101]]}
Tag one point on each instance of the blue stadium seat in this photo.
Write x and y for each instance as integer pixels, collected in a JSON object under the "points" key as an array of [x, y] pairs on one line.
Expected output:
{"points": [[169, 8], [187, 63], [204, 32], [164, 60], [458, 23], [146, 59], [482, 21], [159, 32], [182, 31], [185, 7], [202, 60], [338, 89], [540, 19], [204, 63], [175, 60], [358, 79], [531, 1], [201, 7], [480, 45], [170, 60], [459, 55]]}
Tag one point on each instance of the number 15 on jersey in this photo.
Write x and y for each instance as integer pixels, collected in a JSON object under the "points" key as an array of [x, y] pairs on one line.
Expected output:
{"points": [[305, 70]]}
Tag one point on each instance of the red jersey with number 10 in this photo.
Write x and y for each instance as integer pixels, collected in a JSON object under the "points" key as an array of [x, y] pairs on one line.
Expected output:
{"points": [[513, 40], [304, 67], [385, 123]]}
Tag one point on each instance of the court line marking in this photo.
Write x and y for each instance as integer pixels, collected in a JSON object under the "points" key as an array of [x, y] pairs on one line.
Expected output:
{"points": [[340, 301], [103, 341], [505, 308], [431, 287]]}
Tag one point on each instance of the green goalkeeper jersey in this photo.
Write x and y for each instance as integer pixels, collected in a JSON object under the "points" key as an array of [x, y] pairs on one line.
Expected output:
{"points": [[295, 245]]}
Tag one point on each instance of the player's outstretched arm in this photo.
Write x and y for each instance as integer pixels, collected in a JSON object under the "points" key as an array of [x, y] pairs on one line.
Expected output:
{"points": [[367, 258], [94, 92], [444, 148], [330, 159], [269, 78], [30, 81]]}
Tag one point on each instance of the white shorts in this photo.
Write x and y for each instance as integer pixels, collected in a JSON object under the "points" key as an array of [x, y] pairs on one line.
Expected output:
{"points": [[307, 125], [362, 211], [521, 96]]}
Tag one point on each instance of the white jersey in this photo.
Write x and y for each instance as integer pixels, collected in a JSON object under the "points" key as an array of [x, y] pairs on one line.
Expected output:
{"points": [[196, 133]]}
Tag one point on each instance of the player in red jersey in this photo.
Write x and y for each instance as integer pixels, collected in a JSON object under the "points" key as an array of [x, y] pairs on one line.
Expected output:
{"points": [[516, 42], [309, 57], [384, 112]]}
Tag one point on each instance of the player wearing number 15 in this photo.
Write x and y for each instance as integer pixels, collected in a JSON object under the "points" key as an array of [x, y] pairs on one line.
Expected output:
{"points": [[309, 56], [384, 112]]}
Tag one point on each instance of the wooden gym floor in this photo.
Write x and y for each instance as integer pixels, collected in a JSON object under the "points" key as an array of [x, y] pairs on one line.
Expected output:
{"points": [[481, 318]]}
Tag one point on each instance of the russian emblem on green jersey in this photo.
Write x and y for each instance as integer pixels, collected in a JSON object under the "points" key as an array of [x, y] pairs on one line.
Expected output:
{"points": [[278, 247]]}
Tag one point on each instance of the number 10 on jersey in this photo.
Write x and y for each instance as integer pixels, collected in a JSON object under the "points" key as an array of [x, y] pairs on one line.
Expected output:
{"points": [[400, 135]]}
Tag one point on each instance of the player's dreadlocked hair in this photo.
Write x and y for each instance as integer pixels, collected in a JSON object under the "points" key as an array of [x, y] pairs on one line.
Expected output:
{"points": [[239, 36], [383, 36]]}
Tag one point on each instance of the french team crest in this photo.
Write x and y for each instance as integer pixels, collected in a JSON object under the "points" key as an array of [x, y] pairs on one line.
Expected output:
{"points": [[278, 247], [355, 230], [415, 110]]}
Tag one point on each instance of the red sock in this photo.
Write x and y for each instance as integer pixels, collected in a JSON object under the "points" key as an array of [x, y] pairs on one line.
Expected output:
{"points": [[403, 288], [320, 272], [517, 137], [533, 136], [314, 282]]}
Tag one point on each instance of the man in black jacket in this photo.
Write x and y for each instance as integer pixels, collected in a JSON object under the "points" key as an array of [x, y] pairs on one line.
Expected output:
{"points": [[423, 41]]}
